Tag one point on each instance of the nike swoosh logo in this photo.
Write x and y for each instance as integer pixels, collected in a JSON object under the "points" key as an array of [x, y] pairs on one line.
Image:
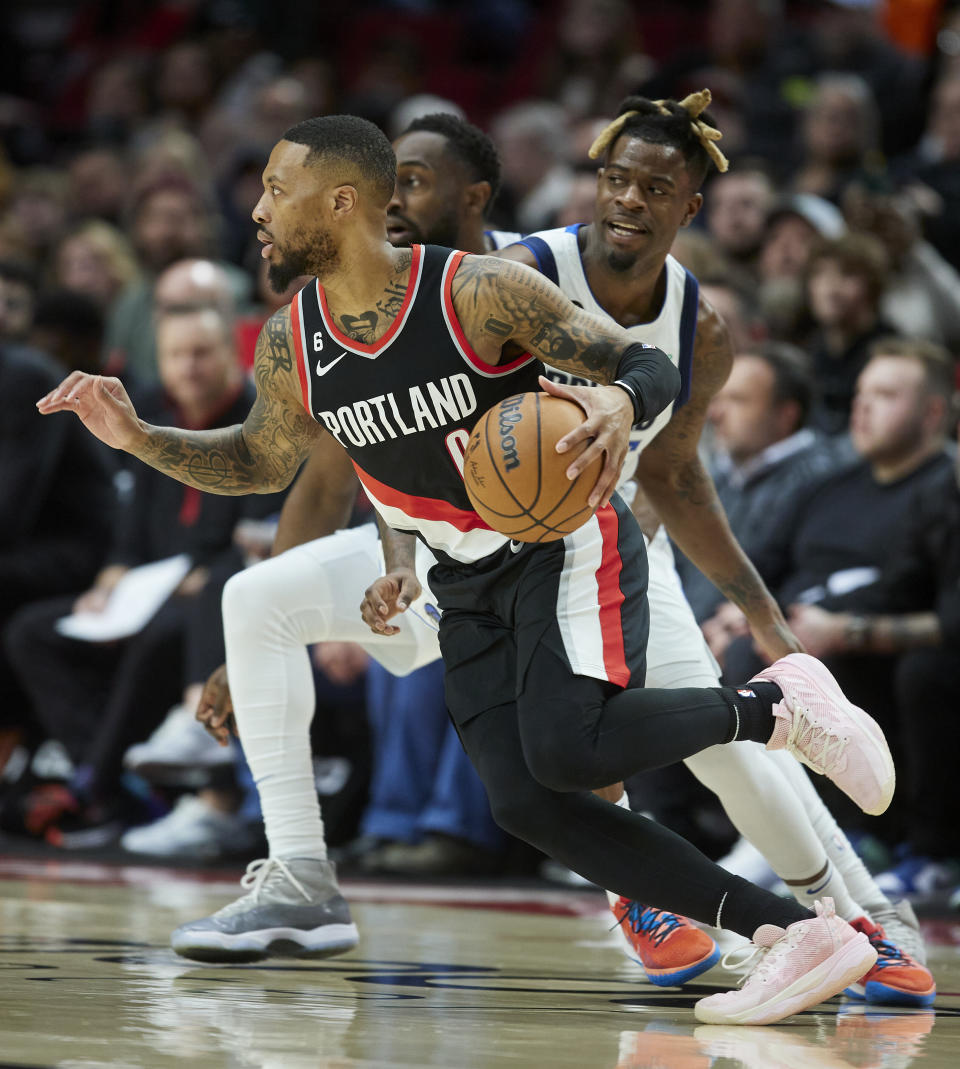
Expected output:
{"points": [[817, 890], [323, 369], [515, 546]]}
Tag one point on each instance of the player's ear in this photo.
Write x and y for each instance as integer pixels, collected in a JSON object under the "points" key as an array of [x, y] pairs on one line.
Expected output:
{"points": [[476, 197], [692, 207], [345, 200]]}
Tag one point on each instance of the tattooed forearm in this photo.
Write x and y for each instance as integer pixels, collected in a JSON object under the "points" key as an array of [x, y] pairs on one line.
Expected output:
{"points": [[499, 301], [215, 461]]}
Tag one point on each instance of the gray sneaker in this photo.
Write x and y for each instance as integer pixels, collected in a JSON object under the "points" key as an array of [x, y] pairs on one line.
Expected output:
{"points": [[902, 927], [293, 908]]}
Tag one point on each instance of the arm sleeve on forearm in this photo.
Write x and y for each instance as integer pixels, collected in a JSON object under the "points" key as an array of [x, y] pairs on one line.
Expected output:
{"points": [[650, 378]]}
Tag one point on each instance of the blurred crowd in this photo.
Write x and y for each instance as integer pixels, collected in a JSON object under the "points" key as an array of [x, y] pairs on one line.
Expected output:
{"points": [[132, 139]]}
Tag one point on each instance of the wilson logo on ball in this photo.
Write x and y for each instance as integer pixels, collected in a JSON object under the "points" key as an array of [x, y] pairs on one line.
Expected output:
{"points": [[509, 416]]}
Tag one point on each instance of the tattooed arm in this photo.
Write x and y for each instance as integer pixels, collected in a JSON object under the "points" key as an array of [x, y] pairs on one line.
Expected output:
{"points": [[506, 308], [260, 456], [399, 588], [680, 489]]}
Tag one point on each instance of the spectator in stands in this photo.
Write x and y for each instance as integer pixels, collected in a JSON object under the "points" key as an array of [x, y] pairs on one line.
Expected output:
{"points": [[740, 203], [845, 281], [98, 698], [793, 228], [99, 179], [56, 511], [931, 172], [95, 259], [766, 455], [836, 538], [169, 220], [840, 137], [921, 296], [18, 297], [912, 613], [533, 143], [69, 327]]}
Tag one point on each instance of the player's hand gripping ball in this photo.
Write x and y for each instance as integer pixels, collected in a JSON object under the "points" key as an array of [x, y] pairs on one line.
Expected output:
{"points": [[515, 478]]}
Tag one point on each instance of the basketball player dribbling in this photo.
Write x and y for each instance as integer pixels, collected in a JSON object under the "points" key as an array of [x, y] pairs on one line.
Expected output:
{"points": [[543, 648], [447, 173]]}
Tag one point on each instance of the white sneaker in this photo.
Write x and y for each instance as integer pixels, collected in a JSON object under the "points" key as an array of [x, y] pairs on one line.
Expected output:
{"points": [[828, 733], [180, 751], [192, 829], [796, 968]]}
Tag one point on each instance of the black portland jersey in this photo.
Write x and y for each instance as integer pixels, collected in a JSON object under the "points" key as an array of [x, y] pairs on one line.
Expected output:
{"points": [[404, 406]]}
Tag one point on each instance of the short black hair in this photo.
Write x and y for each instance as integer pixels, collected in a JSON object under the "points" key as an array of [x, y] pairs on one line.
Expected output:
{"points": [[792, 375], [353, 141], [70, 311], [468, 143], [20, 272], [673, 127]]}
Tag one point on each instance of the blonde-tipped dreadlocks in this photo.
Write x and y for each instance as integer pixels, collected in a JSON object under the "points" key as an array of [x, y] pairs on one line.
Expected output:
{"points": [[694, 105]]}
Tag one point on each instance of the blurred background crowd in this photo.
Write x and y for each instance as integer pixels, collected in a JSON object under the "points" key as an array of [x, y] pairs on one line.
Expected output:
{"points": [[132, 139]]}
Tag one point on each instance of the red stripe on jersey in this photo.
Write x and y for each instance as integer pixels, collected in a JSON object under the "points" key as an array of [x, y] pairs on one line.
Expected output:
{"points": [[298, 345], [361, 347], [468, 351], [423, 508], [611, 599]]}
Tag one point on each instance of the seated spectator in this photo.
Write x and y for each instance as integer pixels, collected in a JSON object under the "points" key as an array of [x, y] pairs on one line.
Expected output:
{"points": [[836, 538], [69, 326], [99, 698], [840, 137], [766, 455], [931, 173], [845, 283], [738, 205], [18, 296], [97, 260], [532, 141], [169, 220], [428, 812], [911, 614], [56, 512], [921, 296], [792, 230]]}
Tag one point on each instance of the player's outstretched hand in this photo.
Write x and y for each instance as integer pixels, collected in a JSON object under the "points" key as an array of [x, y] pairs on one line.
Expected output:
{"points": [[388, 595], [215, 708], [102, 405], [607, 428]]}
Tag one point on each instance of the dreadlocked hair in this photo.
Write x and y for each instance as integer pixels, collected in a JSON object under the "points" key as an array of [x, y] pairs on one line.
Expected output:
{"points": [[682, 124]]}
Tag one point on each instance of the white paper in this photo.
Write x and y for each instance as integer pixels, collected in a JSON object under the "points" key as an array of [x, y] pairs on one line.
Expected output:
{"points": [[133, 602]]}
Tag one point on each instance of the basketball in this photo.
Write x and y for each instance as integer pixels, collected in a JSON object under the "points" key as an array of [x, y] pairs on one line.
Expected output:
{"points": [[516, 480]]}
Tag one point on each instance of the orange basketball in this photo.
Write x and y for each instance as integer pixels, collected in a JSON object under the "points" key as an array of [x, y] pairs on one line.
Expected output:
{"points": [[515, 478]]}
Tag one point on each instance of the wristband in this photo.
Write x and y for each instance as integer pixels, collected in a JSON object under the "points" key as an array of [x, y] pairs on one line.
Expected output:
{"points": [[649, 377]]}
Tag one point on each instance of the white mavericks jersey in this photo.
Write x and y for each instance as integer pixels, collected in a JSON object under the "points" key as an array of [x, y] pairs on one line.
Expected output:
{"points": [[558, 257]]}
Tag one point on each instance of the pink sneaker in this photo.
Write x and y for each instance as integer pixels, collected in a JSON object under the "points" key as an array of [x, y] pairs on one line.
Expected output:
{"points": [[798, 967], [817, 724]]}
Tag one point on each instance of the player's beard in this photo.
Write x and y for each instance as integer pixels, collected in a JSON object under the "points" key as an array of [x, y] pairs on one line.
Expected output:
{"points": [[621, 262], [317, 255]]}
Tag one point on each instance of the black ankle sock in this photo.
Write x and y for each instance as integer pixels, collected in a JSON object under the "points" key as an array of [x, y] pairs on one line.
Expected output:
{"points": [[750, 706]]}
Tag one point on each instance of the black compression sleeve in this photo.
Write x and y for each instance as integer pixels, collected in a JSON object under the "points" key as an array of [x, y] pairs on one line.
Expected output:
{"points": [[649, 377]]}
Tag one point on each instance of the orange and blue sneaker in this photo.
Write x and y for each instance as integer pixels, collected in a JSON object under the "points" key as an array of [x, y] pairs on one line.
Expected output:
{"points": [[896, 979], [671, 949]]}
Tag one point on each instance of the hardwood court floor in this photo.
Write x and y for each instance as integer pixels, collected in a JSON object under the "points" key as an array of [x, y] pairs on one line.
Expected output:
{"points": [[471, 977]]}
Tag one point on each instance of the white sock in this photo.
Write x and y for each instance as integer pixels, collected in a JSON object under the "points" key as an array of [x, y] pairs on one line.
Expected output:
{"points": [[862, 887], [826, 883]]}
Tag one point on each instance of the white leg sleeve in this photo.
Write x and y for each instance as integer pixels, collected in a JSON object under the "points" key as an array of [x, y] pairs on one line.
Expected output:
{"points": [[271, 612], [755, 795]]}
